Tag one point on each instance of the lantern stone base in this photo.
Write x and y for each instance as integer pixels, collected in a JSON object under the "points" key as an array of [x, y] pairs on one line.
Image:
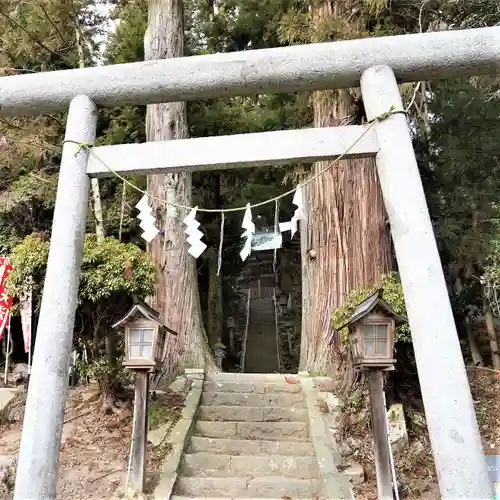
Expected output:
{"points": [[385, 367], [140, 366]]}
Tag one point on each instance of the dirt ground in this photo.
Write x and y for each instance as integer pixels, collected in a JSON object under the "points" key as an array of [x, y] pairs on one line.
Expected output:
{"points": [[94, 449], [415, 469]]}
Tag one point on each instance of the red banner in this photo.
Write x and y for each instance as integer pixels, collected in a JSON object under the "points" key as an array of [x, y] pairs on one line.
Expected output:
{"points": [[5, 300]]}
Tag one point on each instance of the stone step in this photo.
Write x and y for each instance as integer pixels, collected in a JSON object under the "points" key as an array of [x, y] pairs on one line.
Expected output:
{"points": [[208, 464], [249, 447], [274, 378], [177, 497], [259, 387], [247, 487], [252, 414], [270, 431], [285, 399]]}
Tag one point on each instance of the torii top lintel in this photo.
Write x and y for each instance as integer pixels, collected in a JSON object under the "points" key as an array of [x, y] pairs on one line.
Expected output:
{"points": [[306, 67]]}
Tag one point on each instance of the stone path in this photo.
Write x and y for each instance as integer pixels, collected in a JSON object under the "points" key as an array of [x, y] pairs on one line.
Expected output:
{"points": [[251, 439], [261, 351]]}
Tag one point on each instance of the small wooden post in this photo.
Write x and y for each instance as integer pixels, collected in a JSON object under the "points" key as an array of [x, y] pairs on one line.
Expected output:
{"points": [[140, 432], [380, 436]]}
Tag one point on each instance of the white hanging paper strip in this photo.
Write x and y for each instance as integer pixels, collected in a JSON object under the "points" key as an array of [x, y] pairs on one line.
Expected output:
{"points": [[292, 224], [143, 205], [197, 247], [150, 233], [147, 220], [249, 228]]}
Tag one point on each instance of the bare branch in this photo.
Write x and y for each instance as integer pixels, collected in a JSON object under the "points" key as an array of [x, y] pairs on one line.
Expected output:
{"points": [[49, 19], [38, 42]]}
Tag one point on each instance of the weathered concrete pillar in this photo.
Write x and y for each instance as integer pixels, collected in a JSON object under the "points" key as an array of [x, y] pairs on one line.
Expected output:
{"points": [[43, 420], [451, 419]]}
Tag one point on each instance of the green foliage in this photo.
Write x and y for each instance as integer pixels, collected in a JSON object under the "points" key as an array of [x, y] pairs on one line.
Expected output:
{"points": [[98, 367], [109, 268], [392, 294], [41, 35], [111, 273], [462, 180], [29, 260], [490, 278]]}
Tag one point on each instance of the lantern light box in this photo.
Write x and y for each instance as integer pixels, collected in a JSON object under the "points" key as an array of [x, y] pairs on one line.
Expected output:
{"points": [[371, 333], [145, 337]]}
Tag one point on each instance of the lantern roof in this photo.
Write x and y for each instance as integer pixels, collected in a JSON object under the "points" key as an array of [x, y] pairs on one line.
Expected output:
{"points": [[369, 304], [140, 308]]}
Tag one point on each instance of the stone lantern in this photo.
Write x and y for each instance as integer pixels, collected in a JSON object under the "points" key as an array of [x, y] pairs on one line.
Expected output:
{"points": [[144, 342], [145, 338], [371, 333], [371, 336]]}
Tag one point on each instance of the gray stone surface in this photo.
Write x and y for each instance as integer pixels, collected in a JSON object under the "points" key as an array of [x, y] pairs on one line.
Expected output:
{"points": [[272, 431], [452, 424], [327, 453], [206, 464], [398, 433], [355, 473], [157, 436], [258, 487], [178, 439], [285, 69], [178, 497], [253, 414], [6, 399], [40, 442], [257, 445], [21, 368], [249, 447], [259, 388], [251, 399]]}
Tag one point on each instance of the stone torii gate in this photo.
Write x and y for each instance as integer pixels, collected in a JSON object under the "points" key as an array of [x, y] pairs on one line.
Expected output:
{"points": [[375, 63]]}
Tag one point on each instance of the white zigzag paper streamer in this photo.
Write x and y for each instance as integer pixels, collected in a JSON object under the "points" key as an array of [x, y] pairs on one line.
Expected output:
{"points": [[197, 247], [249, 228], [292, 224], [147, 220]]}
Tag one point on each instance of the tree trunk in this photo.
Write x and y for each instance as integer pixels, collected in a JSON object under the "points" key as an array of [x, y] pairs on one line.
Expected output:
{"points": [[492, 335], [215, 305], [477, 358], [215, 323], [346, 225], [176, 295]]}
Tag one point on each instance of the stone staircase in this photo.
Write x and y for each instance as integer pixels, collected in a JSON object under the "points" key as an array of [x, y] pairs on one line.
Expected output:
{"points": [[261, 351], [250, 440]]}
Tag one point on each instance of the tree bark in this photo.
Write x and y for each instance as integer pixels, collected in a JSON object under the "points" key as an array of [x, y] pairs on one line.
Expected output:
{"points": [[492, 335], [477, 358], [176, 296], [215, 305], [346, 225]]}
